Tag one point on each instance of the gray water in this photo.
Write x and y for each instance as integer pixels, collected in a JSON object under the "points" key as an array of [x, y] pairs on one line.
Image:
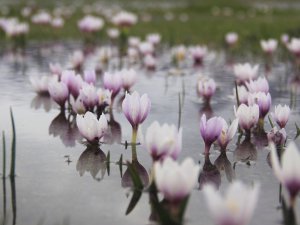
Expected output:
{"points": [[58, 182]]}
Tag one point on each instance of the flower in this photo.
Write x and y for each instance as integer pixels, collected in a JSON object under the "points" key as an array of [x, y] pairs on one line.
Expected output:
{"points": [[227, 133], [163, 141], [134, 42], [146, 48], [91, 128], [179, 53], [90, 24], [90, 76], [129, 78], [263, 101], [41, 18], [176, 181], [289, 171], [259, 85], [281, 115], [113, 33], [198, 53], [294, 46], [248, 116], [206, 88], [73, 82], [57, 22], [77, 105], [210, 130], [284, 38], [242, 93], [89, 96], [236, 208], [154, 38], [55, 68], [231, 38], [269, 46], [77, 59], [124, 19], [40, 85], [136, 108], [104, 97], [59, 92], [245, 72], [150, 62], [112, 82]]}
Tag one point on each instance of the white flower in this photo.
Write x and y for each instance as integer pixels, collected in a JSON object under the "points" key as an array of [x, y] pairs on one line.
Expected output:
{"points": [[236, 208], [245, 72], [231, 38], [281, 115], [129, 77], [289, 171], [294, 46], [227, 133], [176, 181], [40, 85], [91, 128], [259, 85], [124, 19], [269, 46], [163, 141], [248, 116], [90, 24]]}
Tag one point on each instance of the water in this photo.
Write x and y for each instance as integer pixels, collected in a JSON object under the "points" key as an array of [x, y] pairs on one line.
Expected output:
{"points": [[58, 182]]}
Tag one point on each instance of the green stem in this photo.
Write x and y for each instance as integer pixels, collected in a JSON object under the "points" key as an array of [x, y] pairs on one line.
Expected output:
{"points": [[4, 156], [13, 146], [133, 143]]}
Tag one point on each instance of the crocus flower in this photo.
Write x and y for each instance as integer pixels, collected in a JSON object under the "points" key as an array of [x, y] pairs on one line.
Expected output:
{"points": [[289, 171], [198, 53], [90, 24], [245, 72], [150, 62], [278, 137], [41, 18], [112, 82], [259, 85], [281, 115], [163, 141], [104, 97], [89, 96], [236, 208], [179, 53], [77, 105], [210, 130], [55, 68], [59, 92], [91, 128], [129, 78], [124, 19], [231, 38], [242, 93], [90, 76], [263, 101], [73, 82], [113, 33], [206, 88], [77, 59], [269, 46], [248, 116], [146, 48], [154, 38], [57, 22], [136, 108], [134, 42], [40, 85], [227, 133], [294, 46], [176, 181], [284, 38]]}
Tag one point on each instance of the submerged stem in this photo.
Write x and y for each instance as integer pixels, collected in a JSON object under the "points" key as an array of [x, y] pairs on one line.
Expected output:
{"points": [[133, 143]]}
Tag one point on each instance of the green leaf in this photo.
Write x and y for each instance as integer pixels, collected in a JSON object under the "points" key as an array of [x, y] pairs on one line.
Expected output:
{"points": [[13, 146], [134, 200], [138, 184], [298, 131], [270, 121], [108, 162]]}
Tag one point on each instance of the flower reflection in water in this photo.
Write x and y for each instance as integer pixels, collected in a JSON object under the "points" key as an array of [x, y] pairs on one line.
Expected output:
{"points": [[245, 152], [42, 101], [209, 174], [114, 132], [93, 161], [65, 128], [140, 170], [223, 164], [207, 110]]}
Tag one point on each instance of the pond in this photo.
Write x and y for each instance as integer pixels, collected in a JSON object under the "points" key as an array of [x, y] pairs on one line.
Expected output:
{"points": [[60, 181]]}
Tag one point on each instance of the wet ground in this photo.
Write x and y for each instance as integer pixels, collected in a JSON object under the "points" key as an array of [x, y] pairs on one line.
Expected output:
{"points": [[60, 181]]}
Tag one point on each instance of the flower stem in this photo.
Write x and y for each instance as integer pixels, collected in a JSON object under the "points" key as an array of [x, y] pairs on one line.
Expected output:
{"points": [[133, 143]]}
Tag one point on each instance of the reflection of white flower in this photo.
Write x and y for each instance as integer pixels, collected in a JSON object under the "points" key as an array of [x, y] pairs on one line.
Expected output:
{"points": [[236, 208]]}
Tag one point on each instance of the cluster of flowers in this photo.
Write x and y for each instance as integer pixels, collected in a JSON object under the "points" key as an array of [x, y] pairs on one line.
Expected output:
{"points": [[12, 27]]}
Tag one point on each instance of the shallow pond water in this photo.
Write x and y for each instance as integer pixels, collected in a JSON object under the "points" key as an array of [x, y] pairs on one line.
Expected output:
{"points": [[60, 182]]}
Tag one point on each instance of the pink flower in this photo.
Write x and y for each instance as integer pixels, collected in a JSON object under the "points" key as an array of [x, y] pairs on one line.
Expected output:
{"points": [[269, 46], [210, 130], [59, 92], [136, 108], [259, 85], [112, 82], [281, 115], [73, 82], [206, 88], [90, 76], [248, 116], [263, 101]]}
